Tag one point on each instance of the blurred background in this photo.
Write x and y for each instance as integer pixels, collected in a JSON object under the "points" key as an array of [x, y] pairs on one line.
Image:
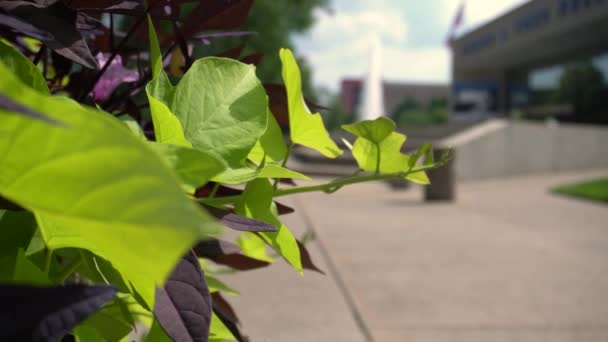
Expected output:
{"points": [[510, 241]]}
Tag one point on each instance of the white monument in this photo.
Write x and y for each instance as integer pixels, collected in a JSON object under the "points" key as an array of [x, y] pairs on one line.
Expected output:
{"points": [[371, 103]]}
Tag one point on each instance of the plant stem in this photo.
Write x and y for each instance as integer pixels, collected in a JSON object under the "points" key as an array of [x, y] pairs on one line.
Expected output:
{"points": [[216, 186], [378, 159], [49, 259], [325, 187], [275, 186]]}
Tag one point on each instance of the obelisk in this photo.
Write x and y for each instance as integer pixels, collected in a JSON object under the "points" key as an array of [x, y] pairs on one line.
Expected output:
{"points": [[371, 104]]}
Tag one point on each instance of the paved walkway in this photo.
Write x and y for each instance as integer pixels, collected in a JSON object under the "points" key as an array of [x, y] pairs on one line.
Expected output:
{"points": [[507, 262]]}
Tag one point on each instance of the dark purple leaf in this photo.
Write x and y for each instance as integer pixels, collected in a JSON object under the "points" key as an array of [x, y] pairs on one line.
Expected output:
{"points": [[7, 104], [213, 15], [87, 23], [233, 53], [223, 191], [306, 259], [240, 223], [227, 254], [129, 7], [208, 36], [220, 304], [58, 23], [183, 306], [24, 27], [30, 313], [226, 314], [254, 59], [214, 248]]}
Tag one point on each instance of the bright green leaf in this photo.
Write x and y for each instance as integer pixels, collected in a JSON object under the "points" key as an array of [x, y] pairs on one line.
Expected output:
{"points": [[253, 246], [193, 167], [221, 105], [133, 126], [22, 67], [215, 285], [218, 332], [155, 56], [25, 272], [246, 174], [305, 128], [167, 128], [419, 177], [271, 144], [424, 150], [110, 193], [391, 158], [373, 130], [256, 202]]}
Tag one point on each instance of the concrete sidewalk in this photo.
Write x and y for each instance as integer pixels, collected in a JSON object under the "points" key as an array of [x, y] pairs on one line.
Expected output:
{"points": [[507, 262]]}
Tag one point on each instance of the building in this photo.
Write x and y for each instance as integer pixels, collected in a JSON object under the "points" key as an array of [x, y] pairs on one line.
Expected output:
{"points": [[395, 94], [544, 58]]}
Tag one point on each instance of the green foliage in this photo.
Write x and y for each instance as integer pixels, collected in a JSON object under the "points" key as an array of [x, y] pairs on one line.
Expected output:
{"points": [[582, 86], [378, 149], [108, 177], [305, 129], [93, 201], [27, 72], [410, 112], [256, 202]]}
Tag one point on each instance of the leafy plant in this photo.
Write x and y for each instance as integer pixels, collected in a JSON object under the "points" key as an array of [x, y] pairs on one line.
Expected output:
{"points": [[113, 197]]}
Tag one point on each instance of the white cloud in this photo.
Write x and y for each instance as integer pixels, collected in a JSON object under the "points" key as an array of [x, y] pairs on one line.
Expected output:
{"points": [[354, 26], [337, 47]]}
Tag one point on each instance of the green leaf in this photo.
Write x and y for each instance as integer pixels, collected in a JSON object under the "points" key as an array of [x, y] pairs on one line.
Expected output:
{"points": [[86, 333], [133, 126], [36, 244], [221, 105], [306, 129], [157, 334], [373, 130], [271, 145], [167, 128], [193, 167], [110, 193], [246, 174], [17, 229], [424, 150], [391, 158], [218, 332], [215, 285], [256, 202], [22, 67], [253, 246], [25, 272], [419, 177], [155, 55], [115, 320], [378, 149]]}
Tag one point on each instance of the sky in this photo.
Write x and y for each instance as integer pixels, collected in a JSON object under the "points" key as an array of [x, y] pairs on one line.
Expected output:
{"points": [[413, 35]]}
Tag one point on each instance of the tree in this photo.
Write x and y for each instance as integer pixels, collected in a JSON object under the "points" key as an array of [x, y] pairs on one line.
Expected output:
{"points": [[275, 22], [582, 86]]}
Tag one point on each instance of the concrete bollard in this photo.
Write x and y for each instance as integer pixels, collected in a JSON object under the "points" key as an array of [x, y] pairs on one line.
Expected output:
{"points": [[443, 180]]}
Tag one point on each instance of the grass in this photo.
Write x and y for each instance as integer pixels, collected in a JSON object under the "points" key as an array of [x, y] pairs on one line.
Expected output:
{"points": [[596, 190]]}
